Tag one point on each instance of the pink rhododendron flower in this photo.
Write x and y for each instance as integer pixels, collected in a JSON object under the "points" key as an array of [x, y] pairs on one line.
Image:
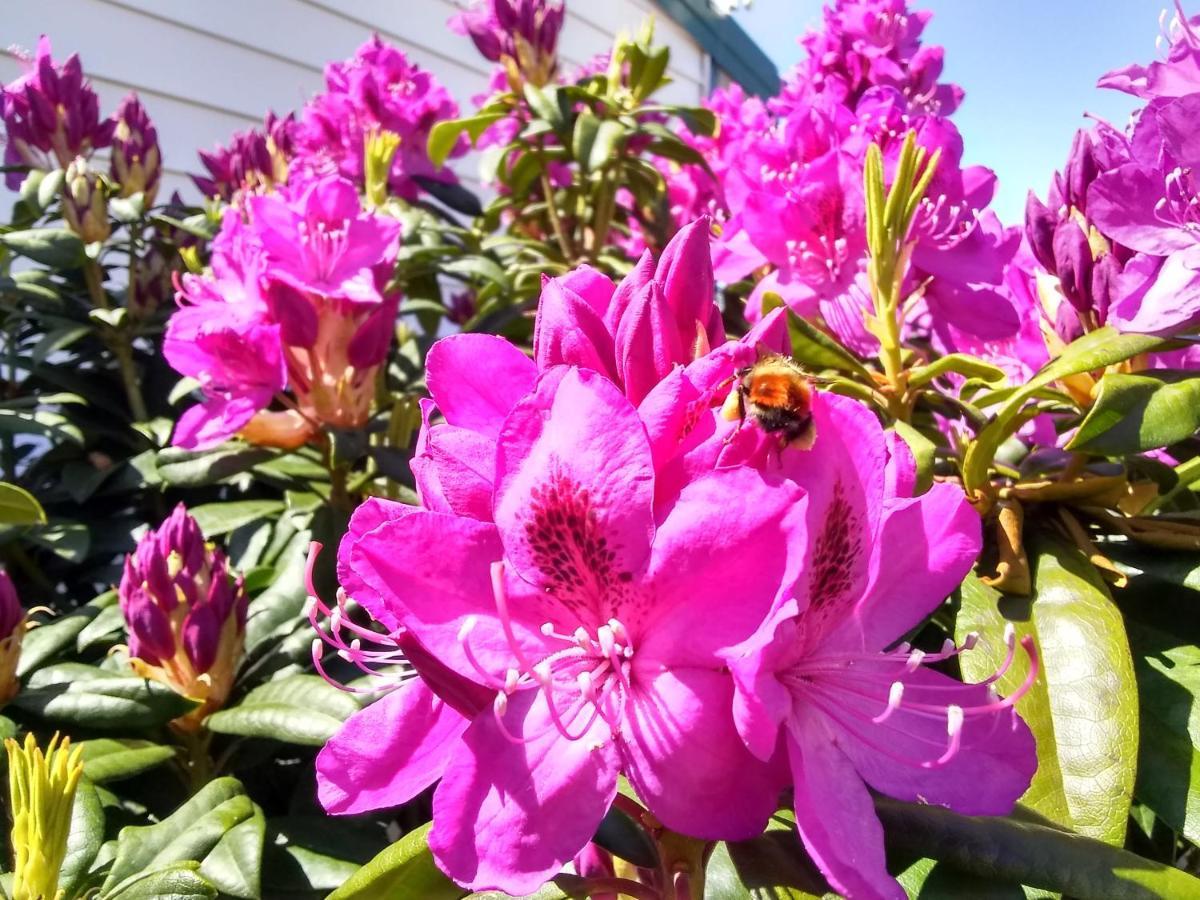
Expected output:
{"points": [[819, 682], [51, 115], [864, 44], [569, 609], [295, 299], [378, 89], [520, 34], [1175, 76], [136, 157]]}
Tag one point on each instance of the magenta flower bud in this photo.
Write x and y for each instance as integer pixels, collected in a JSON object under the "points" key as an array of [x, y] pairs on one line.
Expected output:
{"points": [[1105, 274], [85, 203], [1040, 222], [136, 159], [1073, 263], [12, 632], [521, 34], [185, 614], [255, 161], [51, 116]]}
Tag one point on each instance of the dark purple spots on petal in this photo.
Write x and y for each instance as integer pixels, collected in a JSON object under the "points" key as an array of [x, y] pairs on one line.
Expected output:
{"points": [[836, 555]]}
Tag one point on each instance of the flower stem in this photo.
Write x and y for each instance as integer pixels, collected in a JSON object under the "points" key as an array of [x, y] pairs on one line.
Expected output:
{"points": [[118, 342], [560, 232]]}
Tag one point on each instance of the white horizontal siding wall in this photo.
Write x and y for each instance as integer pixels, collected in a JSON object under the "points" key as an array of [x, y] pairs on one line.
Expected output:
{"points": [[206, 69]]}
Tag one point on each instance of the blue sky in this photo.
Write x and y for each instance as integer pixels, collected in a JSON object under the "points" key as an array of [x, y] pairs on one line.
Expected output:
{"points": [[1029, 68]]}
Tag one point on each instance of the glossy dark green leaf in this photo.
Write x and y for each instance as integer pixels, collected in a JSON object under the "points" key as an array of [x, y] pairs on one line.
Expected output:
{"points": [[56, 428], [621, 836], [309, 856], [1015, 850], [773, 866], [1168, 672], [57, 248], [280, 605], [83, 841], [48, 639], [957, 363], [1136, 413], [584, 136], [547, 104], [927, 879], [1083, 707], [234, 865], [298, 709], [188, 468], [190, 833], [107, 702], [19, 507], [178, 881], [106, 629], [405, 869], [112, 759], [221, 518]]}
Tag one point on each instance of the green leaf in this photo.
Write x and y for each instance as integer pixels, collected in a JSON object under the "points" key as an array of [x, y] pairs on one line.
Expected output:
{"points": [[927, 879], [444, 135], [298, 709], [83, 840], [546, 104], [623, 837], [813, 348], [1083, 707], [605, 147], [19, 507], [587, 126], [313, 855], [1168, 673], [405, 869], [187, 468], [192, 832], [1025, 852], [283, 602], [959, 364], [1095, 350], [53, 427], [178, 881], [69, 540], [1136, 413], [105, 702], [772, 866], [53, 247], [923, 451], [45, 641], [112, 759], [234, 866], [221, 518]]}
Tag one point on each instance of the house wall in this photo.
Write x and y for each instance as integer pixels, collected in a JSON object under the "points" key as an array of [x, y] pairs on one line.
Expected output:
{"points": [[206, 69]]}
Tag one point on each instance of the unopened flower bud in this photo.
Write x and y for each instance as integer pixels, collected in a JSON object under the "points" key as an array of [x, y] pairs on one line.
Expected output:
{"points": [[1073, 263], [12, 632], [85, 203], [185, 613], [136, 159]]}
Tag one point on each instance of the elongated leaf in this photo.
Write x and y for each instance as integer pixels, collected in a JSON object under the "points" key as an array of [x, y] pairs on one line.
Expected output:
{"points": [[621, 836], [1093, 351], [83, 841], [772, 866], [1135, 413], [813, 348], [923, 451], [46, 641], [179, 881], [312, 855], [56, 248], [1013, 850], [583, 136], [959, 364], [444, 135], [1083, 707], [19, 507], [405, 869], [186, 468], [281, 604], [53, 427], [111, 759], [1168, 673], [234, 865], [190, 833], [299, 709], [112, 703], [221, 518]]}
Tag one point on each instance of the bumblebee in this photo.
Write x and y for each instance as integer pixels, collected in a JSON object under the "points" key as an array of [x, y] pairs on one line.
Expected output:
{"points": [[777, 394]]}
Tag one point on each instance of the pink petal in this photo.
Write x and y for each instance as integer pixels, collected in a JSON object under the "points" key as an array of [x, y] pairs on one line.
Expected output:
{"points": [[685, 273], [574, 491], [900, 476], [647, 343], [836, 817], [707, 545], [216, 420], [507, 815], [368, 516], [569, 332], [463, 462], [931, 542], [686, 761], [991, 770], [476, 379], [388, 753]]}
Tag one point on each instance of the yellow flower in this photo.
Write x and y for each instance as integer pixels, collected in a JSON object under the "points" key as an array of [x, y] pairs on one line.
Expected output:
{"points": [[42, 792]]}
